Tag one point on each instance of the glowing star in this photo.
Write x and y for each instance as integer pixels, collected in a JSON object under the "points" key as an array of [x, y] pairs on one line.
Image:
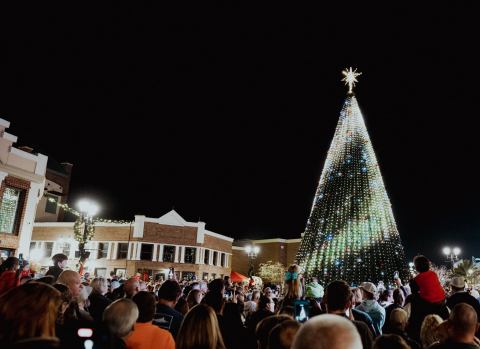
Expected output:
{"points": [[350, 78]]}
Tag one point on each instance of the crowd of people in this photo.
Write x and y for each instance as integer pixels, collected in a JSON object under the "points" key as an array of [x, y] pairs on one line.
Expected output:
{"points": [[66, 310]]}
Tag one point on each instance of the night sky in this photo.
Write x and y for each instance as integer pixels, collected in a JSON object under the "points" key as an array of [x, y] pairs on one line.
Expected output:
{"points": [[226, 113]]}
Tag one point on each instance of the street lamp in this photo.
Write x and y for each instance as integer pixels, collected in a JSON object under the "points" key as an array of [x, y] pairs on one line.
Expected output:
{"points": [[252, 253], [451, 253], [87, 209]]}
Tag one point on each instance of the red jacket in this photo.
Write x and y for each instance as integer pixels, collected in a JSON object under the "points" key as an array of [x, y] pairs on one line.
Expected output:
{"points": [[429, 287], [8, 280]]}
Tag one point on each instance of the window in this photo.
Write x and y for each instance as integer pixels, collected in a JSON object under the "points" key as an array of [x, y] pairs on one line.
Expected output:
{"points": [[222, 259], [190, 255], [101, 272], [122, 251], [188, 275], [214, 276], [51, 207], [146, 252], [206, 257], [66, 249], [102, 250], [9, 210], [205, 276], [32, 246], [215, 257], [168, 253], [48, 249]]}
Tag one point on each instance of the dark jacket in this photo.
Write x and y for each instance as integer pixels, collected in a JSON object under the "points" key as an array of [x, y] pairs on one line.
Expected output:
{"points": [[98, 303], [419, 310], [168, 319], [54, 271]]}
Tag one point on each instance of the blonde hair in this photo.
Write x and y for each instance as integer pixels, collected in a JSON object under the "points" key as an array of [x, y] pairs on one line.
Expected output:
{"points": [[293, 286], [399, 318], [28, 311], [428, 333], [97, 284], [200, 329]]}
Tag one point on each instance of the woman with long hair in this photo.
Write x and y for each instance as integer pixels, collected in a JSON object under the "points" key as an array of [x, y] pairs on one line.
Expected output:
{"points": [[9, 277], [28, 315], [200, 330], [428, 332], [194, 297], [98, 300], [293, 286]]}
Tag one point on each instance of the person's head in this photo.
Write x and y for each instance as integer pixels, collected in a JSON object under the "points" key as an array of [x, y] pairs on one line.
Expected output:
{"points": [[200, 329], [142, 286], [169, 292], [256, 296], [82, 297], [99, 285], [369, 290], [428, 332], [457, 283], [227, 281], [67, 299], [390, 341], [398, 319], [194, 297], [267, 291], [214, 300], [60, 260], [72, 280], [131, 287], [145, 302], [29, 310], [10, 264], [357, 296], [398, 297], [386, 296], [216, 285], [462, 323], [120, 316], [266, 303], [182, 305], [338, 296], [49, 280], [282, 335], [327, 331], [422, 264], [292, 282], [114, 285], [264, 327]]}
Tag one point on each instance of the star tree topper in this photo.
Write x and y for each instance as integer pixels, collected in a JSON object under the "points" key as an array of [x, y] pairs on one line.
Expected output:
{"points": [[350, 78]]}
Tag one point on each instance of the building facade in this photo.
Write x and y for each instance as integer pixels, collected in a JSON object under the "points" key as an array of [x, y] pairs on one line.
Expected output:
{"points": [[22, 180], [275, 250], [147, 245]]}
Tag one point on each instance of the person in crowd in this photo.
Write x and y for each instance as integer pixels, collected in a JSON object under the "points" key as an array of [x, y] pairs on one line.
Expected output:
{"points": [[405, 289], [370, 305], [359, 315], [461, 327], [182, 305], [59, 263], [200, 330], [265, 309], [293, 285], [281, 336], [262, 332], [390, 341], [216, 285], [49, 280], [83, 302], [119, 318], [314, 290], [145, 335], [98, 301], [428, 332], [72, 280], [131, 287], [386, 298], [8, 274], [398, 322], [460, 295], [398, 302], [194, 297], [231, 326], [27, 317], [327, 331], [339, 302], [166, 316], [426, 284]]}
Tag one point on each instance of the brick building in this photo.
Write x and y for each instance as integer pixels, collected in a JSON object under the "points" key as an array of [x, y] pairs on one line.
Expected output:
{"points": [[276, 250], [22, 179], [152, 245]]}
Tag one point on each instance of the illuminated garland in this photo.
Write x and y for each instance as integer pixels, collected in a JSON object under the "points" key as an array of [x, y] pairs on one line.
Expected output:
{"points": [[351, 233]]}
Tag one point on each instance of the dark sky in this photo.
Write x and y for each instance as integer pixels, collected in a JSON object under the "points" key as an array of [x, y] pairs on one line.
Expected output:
{"points": [[226, 113]]}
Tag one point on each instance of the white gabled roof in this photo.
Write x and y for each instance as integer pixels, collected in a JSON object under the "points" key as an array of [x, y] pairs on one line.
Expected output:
{"points": [[172, 218]]}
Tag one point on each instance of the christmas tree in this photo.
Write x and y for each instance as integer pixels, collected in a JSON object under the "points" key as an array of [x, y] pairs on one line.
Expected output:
{"points": [[351, 233]]}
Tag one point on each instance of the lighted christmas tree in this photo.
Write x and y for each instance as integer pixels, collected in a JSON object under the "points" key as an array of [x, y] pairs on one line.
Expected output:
{"points": [[351, 233]]}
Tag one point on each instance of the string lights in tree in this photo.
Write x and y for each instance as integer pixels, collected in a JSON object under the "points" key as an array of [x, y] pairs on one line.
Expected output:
{"points": [[351, 233]]}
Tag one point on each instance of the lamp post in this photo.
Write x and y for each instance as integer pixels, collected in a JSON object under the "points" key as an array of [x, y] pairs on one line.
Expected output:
{"points": [[87, 209], [252, 253], [452, 254]]}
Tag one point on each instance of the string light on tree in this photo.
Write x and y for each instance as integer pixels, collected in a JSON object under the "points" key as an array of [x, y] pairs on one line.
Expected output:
{"points": [[351, 233]]}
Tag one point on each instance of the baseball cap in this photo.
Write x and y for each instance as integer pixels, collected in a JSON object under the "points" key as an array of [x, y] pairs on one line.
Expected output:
{"points": [[458, 282], [368, 287]]}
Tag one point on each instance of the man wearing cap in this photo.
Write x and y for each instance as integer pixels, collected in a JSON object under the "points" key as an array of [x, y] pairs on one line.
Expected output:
{"points": [[459, 295], [371, 306]]}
